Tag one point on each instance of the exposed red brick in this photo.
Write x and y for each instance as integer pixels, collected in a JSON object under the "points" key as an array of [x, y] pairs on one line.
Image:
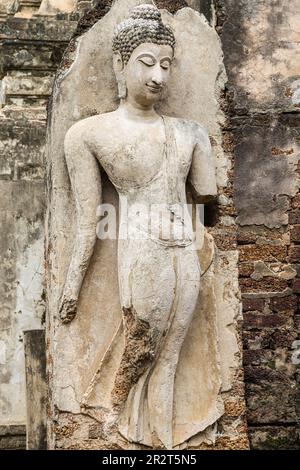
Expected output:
{"points": [[234, 408], [295, 234], [262, 252], [294, 254], [296, 286], [272, 339], [246, 236], [282, 338], [253, 304], [256, 374], [294, 217], [297, 323], [257, 356], [296, 202], [297, 267], [229, 443], [225, 241], [257, 320], [281, 304], [246, 269], [268, 284]]}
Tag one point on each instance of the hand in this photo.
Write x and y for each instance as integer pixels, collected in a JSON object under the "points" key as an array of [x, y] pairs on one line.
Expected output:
{"points": [[67, 309]]}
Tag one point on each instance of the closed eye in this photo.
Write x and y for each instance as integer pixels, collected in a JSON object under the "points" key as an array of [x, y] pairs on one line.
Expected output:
{"points": [[165, 65], [148, 62]]}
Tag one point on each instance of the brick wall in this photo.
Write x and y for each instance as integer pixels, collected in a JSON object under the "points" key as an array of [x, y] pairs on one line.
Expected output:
{"points": [[263, 66]]}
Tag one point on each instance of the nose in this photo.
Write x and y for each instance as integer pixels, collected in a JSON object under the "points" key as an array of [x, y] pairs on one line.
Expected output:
{"points": [[157, 76]]}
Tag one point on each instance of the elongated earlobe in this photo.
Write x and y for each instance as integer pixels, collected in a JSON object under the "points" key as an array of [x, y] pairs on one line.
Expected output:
{"points": [[122, 88], [118, 65]]}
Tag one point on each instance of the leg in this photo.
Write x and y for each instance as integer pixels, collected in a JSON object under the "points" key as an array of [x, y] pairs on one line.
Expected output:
{"points": [[147, 286], [164, 286], [161, 382]]}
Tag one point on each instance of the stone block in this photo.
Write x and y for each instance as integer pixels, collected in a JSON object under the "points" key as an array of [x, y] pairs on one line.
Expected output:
{"points": [[282, 304], [274, 437], [257, 357], [296, 202], [271, 396], [28, 83], [253, 304], [53, 7], [12, 437], [262, 252], [22, 149], [262, 235], [268, 284], [39, 56], [261, 53], [269, 338], [294, 254], [13, 442], [296, 286], [294, 217], [256, 320], [270, 179], [37, 29], [246, 269], [295, 233]]}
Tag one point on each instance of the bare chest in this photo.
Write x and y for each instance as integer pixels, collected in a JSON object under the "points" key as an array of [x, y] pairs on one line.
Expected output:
{"points": [[135, 159]]}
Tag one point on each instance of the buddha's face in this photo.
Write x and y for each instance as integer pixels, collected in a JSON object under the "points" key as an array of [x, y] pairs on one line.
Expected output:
{"points": [[147, 72]]}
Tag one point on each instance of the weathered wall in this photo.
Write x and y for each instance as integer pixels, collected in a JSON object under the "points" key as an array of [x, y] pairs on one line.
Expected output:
{"points": [[261, 47], [31, 50]]}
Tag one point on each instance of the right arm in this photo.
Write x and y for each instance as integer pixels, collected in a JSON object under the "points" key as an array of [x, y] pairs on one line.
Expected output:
{"points": [[202, 176], [85, 181]]}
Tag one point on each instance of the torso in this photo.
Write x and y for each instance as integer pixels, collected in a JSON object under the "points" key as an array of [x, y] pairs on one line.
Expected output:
{"points": [[132, 153], [148, 163]]}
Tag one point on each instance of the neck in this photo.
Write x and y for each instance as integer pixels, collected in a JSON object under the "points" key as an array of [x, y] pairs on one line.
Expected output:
{"points": [[138, 112]]}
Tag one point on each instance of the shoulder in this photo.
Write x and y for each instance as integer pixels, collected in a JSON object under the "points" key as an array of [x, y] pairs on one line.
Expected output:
{"points": [[80, 129], [192, 129], [84, 131]]}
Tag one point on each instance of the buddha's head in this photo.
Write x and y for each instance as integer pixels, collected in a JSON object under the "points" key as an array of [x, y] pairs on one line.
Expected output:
{"points": [[143, 48]]}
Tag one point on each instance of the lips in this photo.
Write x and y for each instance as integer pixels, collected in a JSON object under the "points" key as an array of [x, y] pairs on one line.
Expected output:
{"points": [[154, 88]]}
